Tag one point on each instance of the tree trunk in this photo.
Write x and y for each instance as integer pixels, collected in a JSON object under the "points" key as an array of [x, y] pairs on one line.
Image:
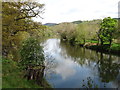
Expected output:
{"points": [[98, 42], [101, 41], [35, 74], [110, 42], [84, 41]]}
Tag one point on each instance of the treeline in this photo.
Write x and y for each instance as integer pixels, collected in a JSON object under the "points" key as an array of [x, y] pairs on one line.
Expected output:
{"points": [[99, 31], [78, 33]]}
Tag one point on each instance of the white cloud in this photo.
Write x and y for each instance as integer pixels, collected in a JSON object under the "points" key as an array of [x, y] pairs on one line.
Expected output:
{"points": [[57, 11]]}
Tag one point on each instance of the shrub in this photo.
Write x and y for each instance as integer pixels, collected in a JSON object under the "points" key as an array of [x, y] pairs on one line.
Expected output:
{"points": [[31, 53]]}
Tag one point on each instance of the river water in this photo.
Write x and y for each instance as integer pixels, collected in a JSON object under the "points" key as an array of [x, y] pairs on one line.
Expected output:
{"points": [[76, 67]]}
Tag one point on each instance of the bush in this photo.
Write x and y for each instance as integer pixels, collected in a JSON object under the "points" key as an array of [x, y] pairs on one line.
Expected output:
{"points": [[31, 53]]}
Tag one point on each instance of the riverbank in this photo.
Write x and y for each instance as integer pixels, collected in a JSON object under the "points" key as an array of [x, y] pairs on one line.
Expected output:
{"points": [[114, 49], [13, 77]]}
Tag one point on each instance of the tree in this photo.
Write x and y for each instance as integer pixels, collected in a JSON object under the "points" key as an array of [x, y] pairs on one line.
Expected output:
{"points": [[82, 32], [16, 17], [87, 30], [67, 31], [107, 30]]}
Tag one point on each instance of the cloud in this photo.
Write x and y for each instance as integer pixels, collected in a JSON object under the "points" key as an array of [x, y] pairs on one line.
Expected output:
{"points": [[70, 10]]}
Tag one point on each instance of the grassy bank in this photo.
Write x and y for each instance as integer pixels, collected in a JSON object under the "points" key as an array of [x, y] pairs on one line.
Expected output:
{"points": [[114, 49], [93, 45], [13, 76]]}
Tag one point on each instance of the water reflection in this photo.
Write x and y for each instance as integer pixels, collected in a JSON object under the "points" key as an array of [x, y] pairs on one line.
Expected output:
{"points": [[90, 83], [67, 66], [108, 69]]}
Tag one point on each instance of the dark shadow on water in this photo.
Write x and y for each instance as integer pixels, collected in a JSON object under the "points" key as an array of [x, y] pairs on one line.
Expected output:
{"points": [[108, 70]]}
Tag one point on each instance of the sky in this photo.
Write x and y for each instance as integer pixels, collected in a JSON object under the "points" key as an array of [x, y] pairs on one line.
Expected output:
{"points": [[57, 11]]}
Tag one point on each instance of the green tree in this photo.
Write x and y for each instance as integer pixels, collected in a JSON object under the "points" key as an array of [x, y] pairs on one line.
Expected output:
{"points": [[107, 30], [87, 31], [82, 32], [17, 17]]}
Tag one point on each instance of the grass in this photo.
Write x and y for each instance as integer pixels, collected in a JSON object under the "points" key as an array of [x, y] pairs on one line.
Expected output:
{"points": [[115, 46], [114, 49], [92, 41], [12, 76]]}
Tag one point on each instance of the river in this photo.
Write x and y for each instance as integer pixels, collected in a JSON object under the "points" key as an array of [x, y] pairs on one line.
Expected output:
{"points": [[76, 67]]}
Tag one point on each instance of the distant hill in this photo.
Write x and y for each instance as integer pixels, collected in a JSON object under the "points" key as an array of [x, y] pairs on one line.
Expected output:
{"points": [[77, 22], [117, 18], [50, 24]]}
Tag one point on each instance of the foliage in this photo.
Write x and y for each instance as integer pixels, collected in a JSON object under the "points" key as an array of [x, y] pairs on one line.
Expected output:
{"points": [[16, 18], [31, 53], [49, 32], [82, 32], [107, 30], [77, 33], [66, 31], [87, 31]]}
